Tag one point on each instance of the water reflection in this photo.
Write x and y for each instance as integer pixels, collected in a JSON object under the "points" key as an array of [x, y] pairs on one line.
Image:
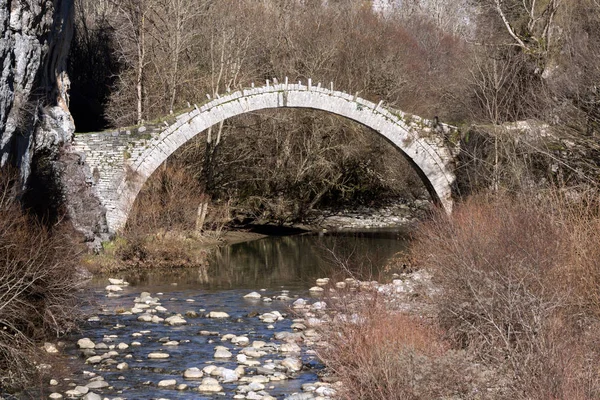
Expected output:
{"points": [[293, 261]]}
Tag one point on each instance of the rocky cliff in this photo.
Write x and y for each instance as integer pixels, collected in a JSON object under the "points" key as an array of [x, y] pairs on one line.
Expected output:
{"points": [[34, 113]]}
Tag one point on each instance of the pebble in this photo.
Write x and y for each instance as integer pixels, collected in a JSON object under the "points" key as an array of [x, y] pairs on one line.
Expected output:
{"points": [[55, 396], [193, 373], [253, 295], [158, 355], [86, 343], [210, 385], [167, 383], [218, 314]]}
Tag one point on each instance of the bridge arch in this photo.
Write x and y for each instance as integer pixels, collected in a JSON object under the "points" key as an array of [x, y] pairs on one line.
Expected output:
{"points": [[122, 161]]}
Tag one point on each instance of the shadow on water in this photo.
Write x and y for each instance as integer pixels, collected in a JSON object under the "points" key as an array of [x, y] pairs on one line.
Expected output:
{"points": [[291, 261]]}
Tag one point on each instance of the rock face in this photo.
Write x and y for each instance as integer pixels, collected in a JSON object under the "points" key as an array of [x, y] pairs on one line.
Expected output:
{"points": [[34, 114], [36, 127]]}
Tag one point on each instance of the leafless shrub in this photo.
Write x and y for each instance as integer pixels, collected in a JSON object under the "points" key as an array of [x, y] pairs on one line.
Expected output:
{"points": [[38, 283], [380, 354], [516, 279]]}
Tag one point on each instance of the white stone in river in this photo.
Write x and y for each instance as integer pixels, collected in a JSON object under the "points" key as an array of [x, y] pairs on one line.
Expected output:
{"points": [[85, 343], [122, 346], [256, 378], [222, 353], [114, 288], [92, 396], [97, 384], [340, 285], [136, 344], [209, 369], [114, 281], [82, 389], [289, 348], [257, 344], [227, 337], [292, 364], [325, 391], [158, 355], [55, 396], [210, 385], [240, 340], [122, 366], [299, 303], [229, 375], [145, 318], [171, 343], [93, 360], [254, 396], [182, 386], [253, 296], [193, 373], [218, 314], [241, 358], [167, 383], [316, 289], [53, 382], [319, 305], [156, 319], [136, 310], [176, 320], [160, 309]]}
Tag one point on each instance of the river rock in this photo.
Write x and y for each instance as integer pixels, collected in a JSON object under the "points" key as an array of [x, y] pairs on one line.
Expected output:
{"points": [[193, 373], [218, 314], [113, 288], [167, 383], [210, 385], [222, 352], [292, 364], [119, 282], [176, 320], [94, 360], [55, 396], [289, 348], [100, 384], [145, 318], [240, 340], [92, 396], [122, 346], [158, 355], [86, 343], [253, 296], [299, 303], [50, 348], [122, 366]]}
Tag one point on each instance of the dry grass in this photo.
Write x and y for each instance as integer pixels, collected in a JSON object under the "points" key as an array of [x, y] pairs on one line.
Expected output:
{"points": [[38, 283], [380, 354], [519, 289]]}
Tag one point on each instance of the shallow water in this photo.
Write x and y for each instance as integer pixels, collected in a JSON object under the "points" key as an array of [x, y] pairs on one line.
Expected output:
{"points": [[270, 265]]}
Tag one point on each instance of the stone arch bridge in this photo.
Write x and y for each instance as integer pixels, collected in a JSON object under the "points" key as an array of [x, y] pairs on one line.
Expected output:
{"points": [[121, 161]]}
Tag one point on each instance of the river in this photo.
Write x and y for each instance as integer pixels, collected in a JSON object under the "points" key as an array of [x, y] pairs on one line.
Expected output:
{"points": [[274, 267]]}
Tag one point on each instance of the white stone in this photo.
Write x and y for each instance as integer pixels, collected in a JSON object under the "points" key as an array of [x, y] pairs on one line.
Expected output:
{"points": [[193, 373], [167, 383], [158, 355], [86, 343], [253, 295], [210, 385], [114, 288], [218, 314], [176, 320]]}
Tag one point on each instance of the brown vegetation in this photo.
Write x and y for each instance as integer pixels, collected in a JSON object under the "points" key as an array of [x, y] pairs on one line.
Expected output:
{"points": [[517, 280], [38, 285], [379, 354]]}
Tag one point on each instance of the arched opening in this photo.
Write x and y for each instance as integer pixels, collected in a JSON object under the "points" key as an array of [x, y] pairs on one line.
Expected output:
{"points": [[276, 166]]}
